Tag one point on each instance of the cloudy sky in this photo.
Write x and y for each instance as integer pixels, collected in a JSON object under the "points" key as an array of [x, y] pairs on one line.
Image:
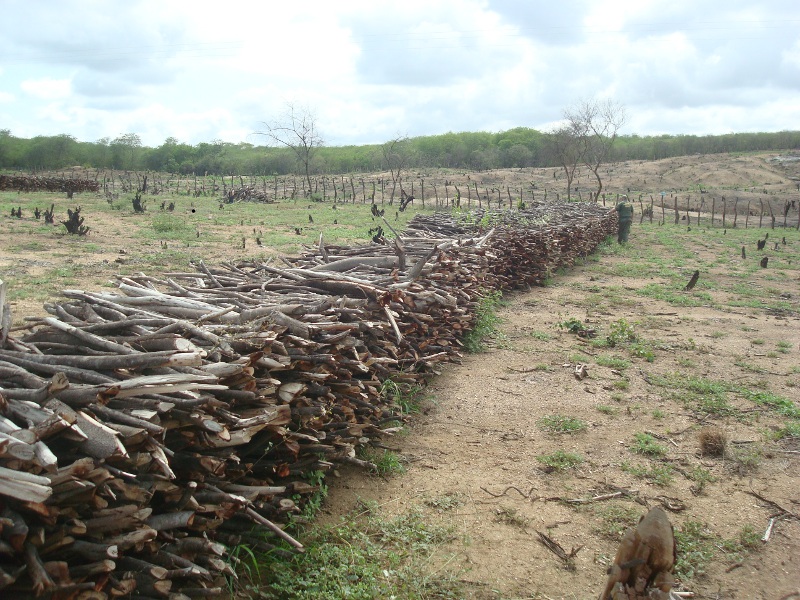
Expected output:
{"points": [[372, 70]]}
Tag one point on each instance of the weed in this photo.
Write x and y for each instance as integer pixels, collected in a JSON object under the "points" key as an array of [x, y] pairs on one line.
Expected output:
{"points": [[789, 430], [621, 333], [746, 457], [701, 477], [613, 362], [363, 557], [562, 424], [572, 325], [615, 518], [541, 336], [607, 410], [658, 474], [658, 413], [510, 516], [486, 322], [445, 502], [695, 550], [621, 384], [407, 398], [779, 404], [542, 367], [560, 460], [646, 444], [386, 462], [618, 397], [784, 347]]}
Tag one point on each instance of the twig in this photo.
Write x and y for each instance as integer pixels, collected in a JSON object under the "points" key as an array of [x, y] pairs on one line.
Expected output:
{"points": [[511, 487], [559, 551]]}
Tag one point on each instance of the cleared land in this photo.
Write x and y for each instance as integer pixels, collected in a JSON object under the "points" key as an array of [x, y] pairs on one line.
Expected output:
{"points": [[507, 438]]}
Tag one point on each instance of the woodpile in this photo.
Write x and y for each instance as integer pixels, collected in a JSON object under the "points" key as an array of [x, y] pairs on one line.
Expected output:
{"points": [[26, 183], [247, 193], [148, 430]]}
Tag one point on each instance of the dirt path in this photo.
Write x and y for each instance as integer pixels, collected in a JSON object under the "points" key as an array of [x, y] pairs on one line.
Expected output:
{"points": [[472, 456]]}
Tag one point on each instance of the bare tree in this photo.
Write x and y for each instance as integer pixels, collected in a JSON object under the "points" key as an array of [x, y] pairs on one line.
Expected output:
{"points": [[564, 147], [297, 130], [395, 155], [595, 123]]}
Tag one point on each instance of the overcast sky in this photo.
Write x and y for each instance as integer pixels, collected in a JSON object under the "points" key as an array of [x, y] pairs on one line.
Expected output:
{"points": [[374, 70]]}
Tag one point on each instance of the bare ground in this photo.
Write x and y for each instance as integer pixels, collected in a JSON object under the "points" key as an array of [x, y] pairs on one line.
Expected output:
{"points": [[472, 456]]}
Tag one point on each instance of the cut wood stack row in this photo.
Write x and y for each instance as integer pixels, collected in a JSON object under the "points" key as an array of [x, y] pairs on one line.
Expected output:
{"points": [[28, 183], [148, 430]]}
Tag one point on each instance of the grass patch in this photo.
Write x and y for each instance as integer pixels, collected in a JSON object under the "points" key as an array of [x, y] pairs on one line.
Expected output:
{"points": [[658, 474], [486, 322], [511, 516], [386, 462], [362, 558], [560, 460], [562, 424], [647, 445], [695, 550], [613, 362], [406, 398], [615, 518]]}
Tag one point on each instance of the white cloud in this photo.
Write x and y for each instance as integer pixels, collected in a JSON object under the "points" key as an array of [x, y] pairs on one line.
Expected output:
{"points": [[47, 89], [374, 68]]}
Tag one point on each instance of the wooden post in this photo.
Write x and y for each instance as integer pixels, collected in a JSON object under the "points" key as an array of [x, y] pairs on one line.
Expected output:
{"points": [[677, 214], [761, 213], [735, 211], [422, 191], [5, 315], [713, 208], [771, 215], [747, 216], [651, 206], [724, 210]]}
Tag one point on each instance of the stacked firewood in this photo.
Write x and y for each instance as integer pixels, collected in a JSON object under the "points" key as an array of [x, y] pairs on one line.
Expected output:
{"points": [[247, 193], [28, 183], [148, 430]]}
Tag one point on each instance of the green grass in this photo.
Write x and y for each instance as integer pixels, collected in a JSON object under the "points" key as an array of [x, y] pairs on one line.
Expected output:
{"points": [[647, 445], [613, 519], [562, 424], [364, 557], [560, 460], [406, 398], [613, 362], [386, 462], [695, 550], [486, 322], [659, 474]]}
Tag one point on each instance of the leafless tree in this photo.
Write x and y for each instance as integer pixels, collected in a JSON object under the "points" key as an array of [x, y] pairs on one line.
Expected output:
{"points": [[564, 147], [595, 124], [395, 155], [298, 131]]}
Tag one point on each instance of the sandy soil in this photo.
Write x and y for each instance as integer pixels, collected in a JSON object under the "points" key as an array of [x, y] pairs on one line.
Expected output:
{"points": [[472, 456]]}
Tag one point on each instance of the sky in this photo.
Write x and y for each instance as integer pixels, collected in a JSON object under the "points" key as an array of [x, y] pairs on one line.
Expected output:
{"points": [[374, 70]]}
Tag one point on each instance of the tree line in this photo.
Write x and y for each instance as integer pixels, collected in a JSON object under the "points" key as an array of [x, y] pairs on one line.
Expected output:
{"points": [[514, 148]]}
